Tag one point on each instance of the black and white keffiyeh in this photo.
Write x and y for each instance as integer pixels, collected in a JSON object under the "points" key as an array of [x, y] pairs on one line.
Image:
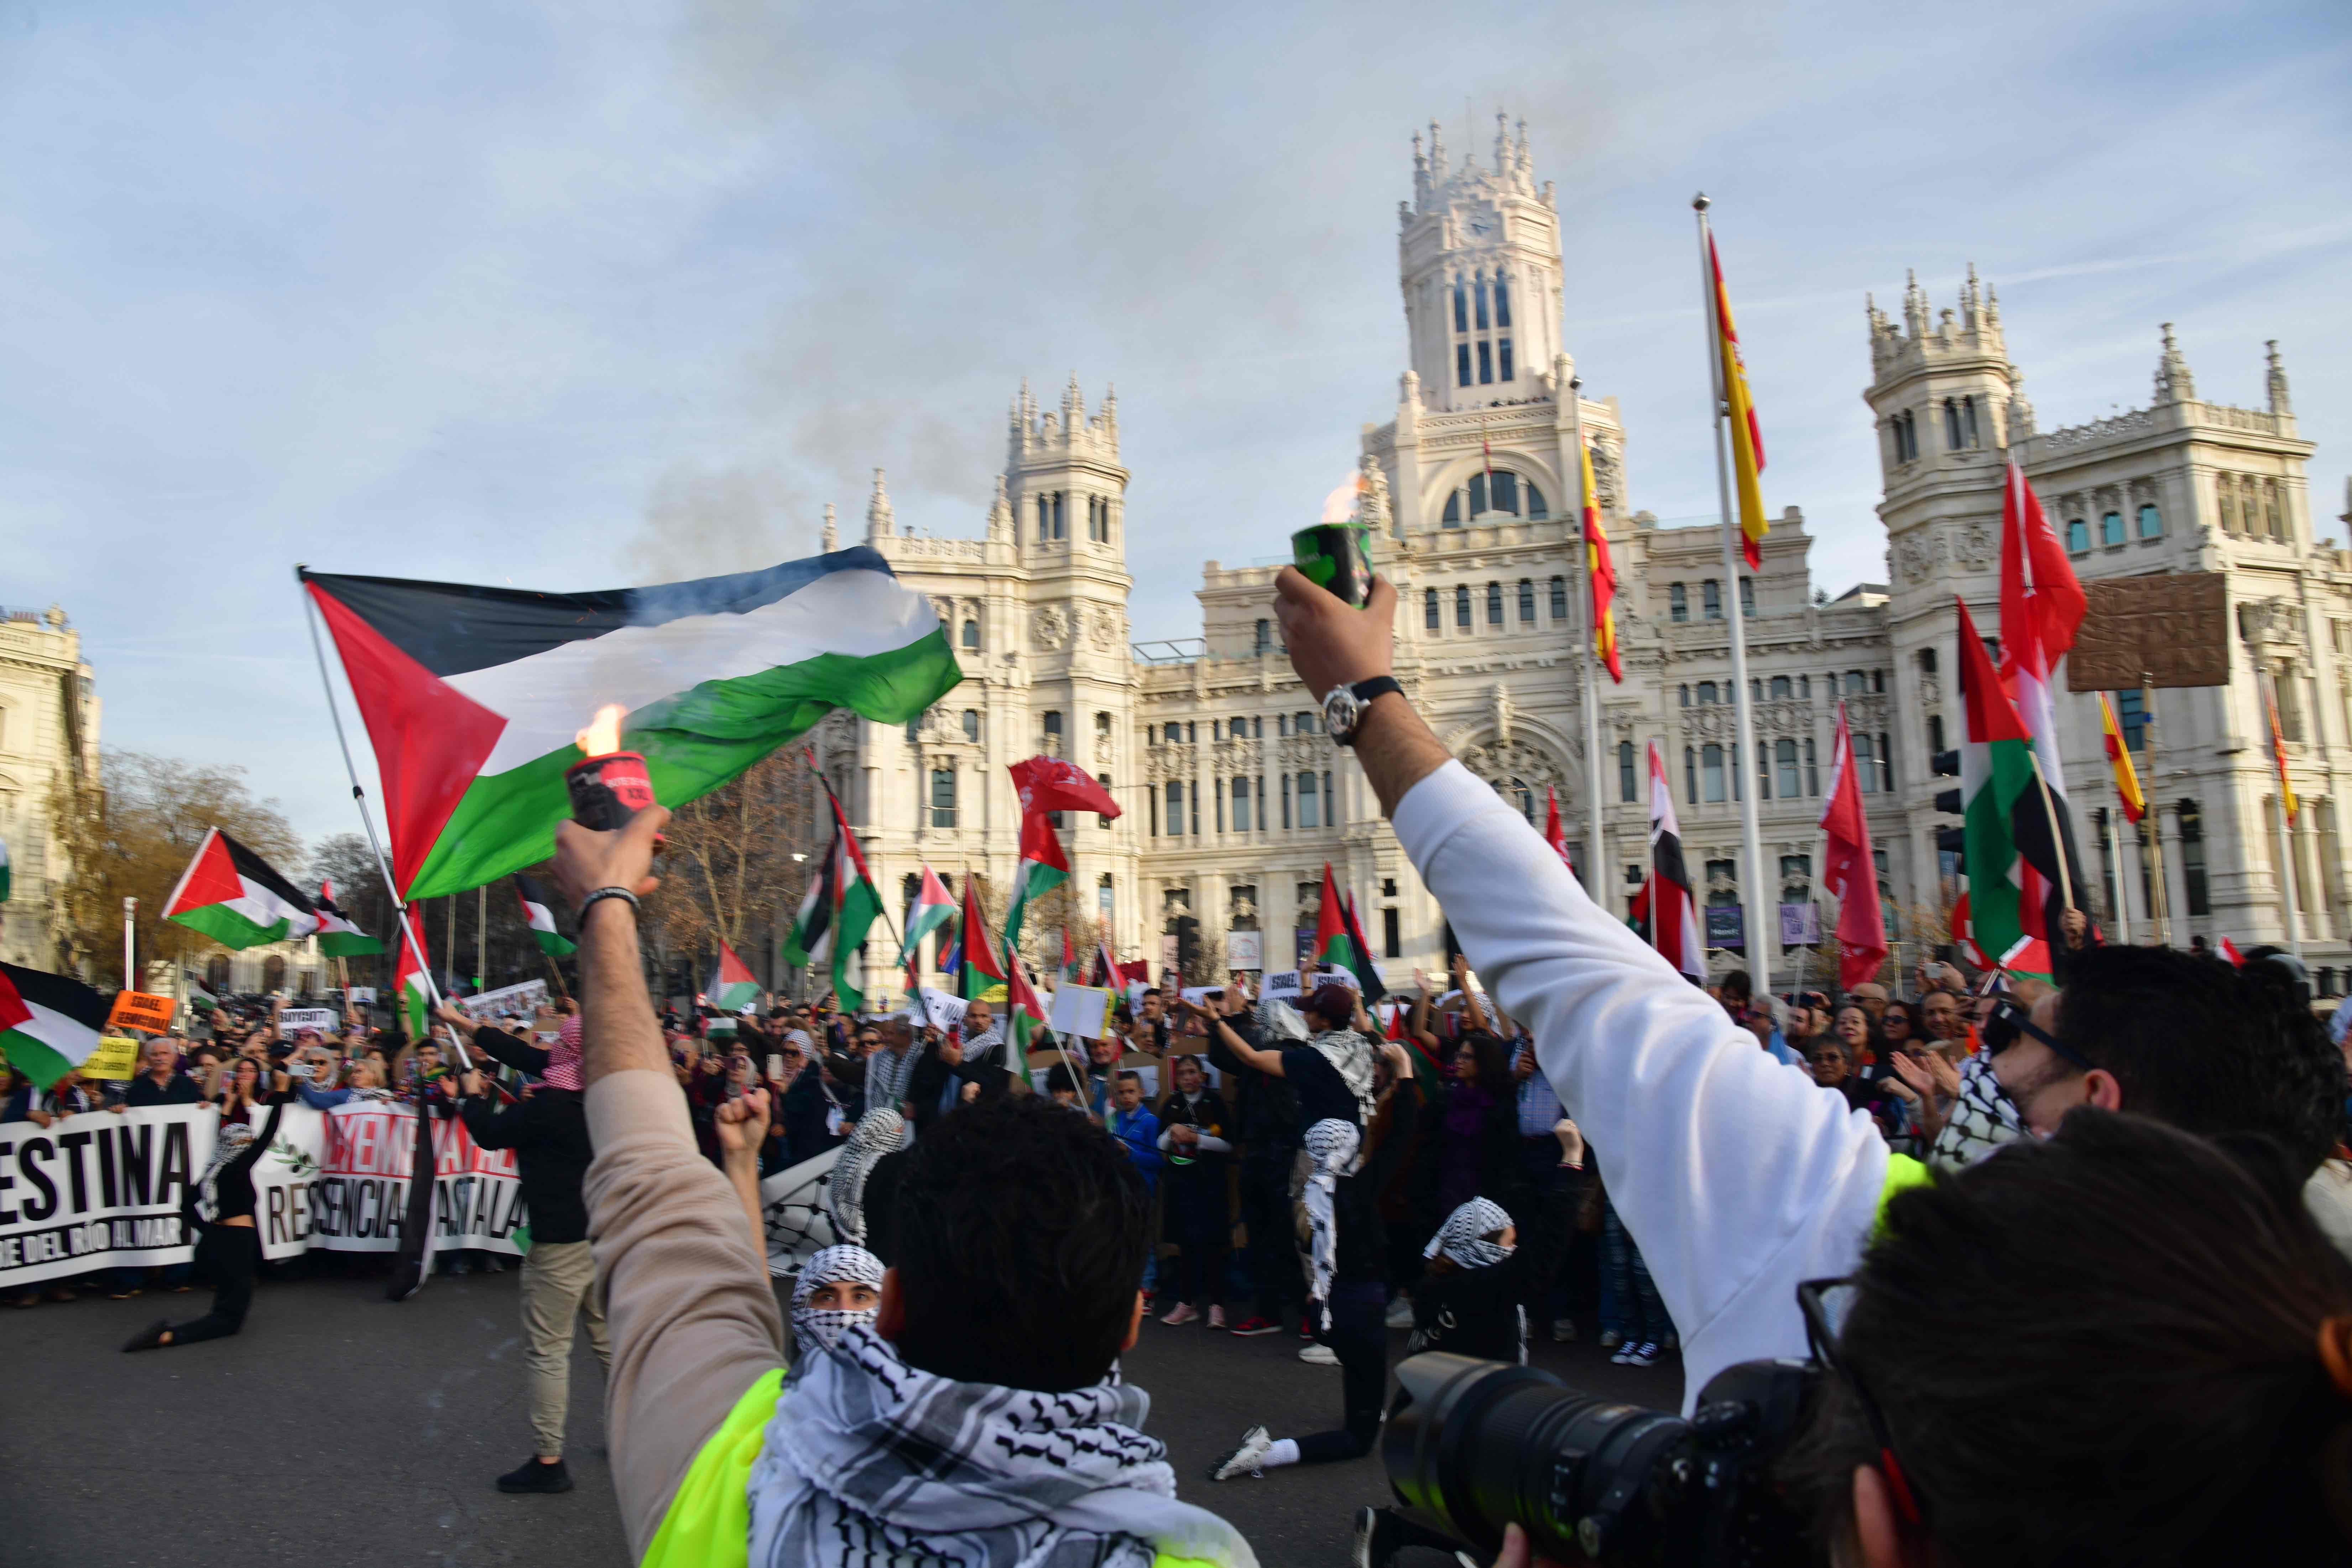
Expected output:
{"points": [[1462, 1236], [1983, 1118], [1332, 1146], [982, 1047], [880, 1132], [228, 1144], [823, 1326], [870, 1463], [1351, 1056]]}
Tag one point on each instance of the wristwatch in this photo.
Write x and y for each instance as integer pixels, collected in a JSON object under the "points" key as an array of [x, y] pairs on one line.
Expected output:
{"points": [[1343, 706]]}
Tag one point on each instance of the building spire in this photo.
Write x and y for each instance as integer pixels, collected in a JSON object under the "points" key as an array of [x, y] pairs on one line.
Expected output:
{"points": [[2174, 384], [831, 535], [1000, 514], [2276, 381], [881, 523], [1915, 305], [1437, 151], [1502, 143]]}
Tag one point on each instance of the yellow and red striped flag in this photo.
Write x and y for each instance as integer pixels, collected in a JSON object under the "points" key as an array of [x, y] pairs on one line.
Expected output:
{"points": [[2119, 759], [2278, 756], [1746, 436], [1601, 574]]}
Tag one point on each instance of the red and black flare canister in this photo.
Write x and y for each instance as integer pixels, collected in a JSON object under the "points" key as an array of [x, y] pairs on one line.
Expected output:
{"points": [[608, 786]]}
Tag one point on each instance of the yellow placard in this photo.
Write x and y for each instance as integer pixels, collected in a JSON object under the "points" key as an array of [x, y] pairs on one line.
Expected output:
{"points": [[117, 1056], [139, 1010]]}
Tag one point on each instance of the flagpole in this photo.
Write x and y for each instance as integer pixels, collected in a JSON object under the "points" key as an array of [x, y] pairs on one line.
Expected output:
{"points": [[2123, 890], [2160, 909], [1750, 833], [383, 868], [2287, 913], [1593, 856], [2050, 810]]}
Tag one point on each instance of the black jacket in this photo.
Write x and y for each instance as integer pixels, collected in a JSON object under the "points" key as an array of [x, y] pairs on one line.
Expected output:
{"points": [[548, 1133], [1360, 1252], [1266, 1109], [177, 1090], [1477, 1311]]}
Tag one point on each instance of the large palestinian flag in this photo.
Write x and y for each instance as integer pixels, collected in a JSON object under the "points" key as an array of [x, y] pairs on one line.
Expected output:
{"points": [[1997, 787], [841, 905], [1043, 868], [237, 898], [933, 907], [339, 937], [48, 1025], [473, 695]]}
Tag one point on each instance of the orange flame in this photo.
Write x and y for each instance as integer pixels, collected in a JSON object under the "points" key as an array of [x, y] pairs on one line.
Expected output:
{"points": [[1339, 506], [602, 736]]}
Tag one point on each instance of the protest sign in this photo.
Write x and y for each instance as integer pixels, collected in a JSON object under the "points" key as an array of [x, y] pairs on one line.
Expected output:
{"points": [[1244, 949], [525, 999], [1282, 986], [359, 1190], [1079, 1010], [360, 995], [294, 1019], [943, 1012], [117, 1056], [96, 1189], [141, 1010]]}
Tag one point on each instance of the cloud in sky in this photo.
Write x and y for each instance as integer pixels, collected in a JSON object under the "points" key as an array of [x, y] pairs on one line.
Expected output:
{"points": [[574, 295]]}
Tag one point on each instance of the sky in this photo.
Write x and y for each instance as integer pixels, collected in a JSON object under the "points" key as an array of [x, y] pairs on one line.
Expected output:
{"points": [[577, 295]]}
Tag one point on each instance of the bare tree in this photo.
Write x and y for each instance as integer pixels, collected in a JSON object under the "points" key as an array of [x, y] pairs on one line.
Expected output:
{"points": [[727, 868]]}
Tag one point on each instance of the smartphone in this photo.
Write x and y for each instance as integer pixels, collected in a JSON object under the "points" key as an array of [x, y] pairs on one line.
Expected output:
{"points": [[775, 1064]]}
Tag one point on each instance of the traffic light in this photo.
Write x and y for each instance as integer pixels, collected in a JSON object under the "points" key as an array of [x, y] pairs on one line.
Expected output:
{"points": [[1188, 943], [1947, 764]]}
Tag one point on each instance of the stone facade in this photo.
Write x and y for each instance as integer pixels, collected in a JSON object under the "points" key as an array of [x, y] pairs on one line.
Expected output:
{"points": [[1234, 801], [48, 738]]}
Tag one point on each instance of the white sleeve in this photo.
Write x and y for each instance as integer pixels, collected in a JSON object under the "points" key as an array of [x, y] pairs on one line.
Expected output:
{"points": [[1738, 1180]]}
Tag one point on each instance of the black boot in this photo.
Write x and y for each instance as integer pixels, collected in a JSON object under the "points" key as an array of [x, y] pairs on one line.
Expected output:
{"points": [[149, 1338], [531, 1475]]}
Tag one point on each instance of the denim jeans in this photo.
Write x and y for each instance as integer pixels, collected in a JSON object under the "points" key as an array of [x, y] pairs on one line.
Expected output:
{"points": [[1641, 1316]]}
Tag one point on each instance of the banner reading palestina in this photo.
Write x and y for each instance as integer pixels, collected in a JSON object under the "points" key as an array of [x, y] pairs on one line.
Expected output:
{"points": [[104, 1189]]}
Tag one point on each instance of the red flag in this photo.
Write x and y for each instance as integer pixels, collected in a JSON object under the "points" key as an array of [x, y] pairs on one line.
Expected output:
{"points": [[1848, 868], [2230, 951], [1671, 912], [1600, 574], [1050, 784], [1555, 834]]}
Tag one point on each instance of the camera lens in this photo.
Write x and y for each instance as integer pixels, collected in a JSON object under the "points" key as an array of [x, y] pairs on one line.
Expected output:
{"points": [[1478, 1445]]}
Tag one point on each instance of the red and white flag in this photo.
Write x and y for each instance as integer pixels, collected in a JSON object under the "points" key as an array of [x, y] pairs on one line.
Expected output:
{"points": [[2041, 607], [1555, 834], [2230, 951], [1669, 910], [1849, 869]]}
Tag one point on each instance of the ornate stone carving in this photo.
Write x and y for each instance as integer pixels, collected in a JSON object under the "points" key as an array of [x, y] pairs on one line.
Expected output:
{"points": [[1502, 711], [1500, 762], [1104, 629], [1974, 546], [1051, 628]]}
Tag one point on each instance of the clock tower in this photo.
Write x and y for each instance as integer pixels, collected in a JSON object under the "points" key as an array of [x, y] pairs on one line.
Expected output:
{"points": [[1479, 257]]}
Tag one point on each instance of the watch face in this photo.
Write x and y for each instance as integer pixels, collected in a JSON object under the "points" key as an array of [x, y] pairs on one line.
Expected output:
{"points": [[1340, 708]]}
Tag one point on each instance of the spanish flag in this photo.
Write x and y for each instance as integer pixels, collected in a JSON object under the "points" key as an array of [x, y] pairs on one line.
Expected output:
{"points": [[2278, 756], [1747, 437], [1600, 574], [2119, 759]]}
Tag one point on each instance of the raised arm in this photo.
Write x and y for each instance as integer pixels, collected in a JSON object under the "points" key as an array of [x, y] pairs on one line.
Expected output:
{"points": [[1240, 1050]]}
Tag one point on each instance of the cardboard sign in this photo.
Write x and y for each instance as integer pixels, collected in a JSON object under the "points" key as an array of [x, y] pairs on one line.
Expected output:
{"points": [[1282, 986], [117, 1056], [138, 1010], [2171, 628], [1079, 1010], [295, 1019]]}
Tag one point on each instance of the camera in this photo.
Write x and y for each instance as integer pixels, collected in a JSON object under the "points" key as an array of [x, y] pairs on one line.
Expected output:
{"points": [[1473, 1446], [300, 1069]]}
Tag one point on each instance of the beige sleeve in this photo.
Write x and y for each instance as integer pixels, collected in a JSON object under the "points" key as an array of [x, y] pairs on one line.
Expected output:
{"points": [[693, 1318]]}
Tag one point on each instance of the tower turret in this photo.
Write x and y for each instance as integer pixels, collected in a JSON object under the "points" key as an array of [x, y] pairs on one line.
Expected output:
{"points": [[1479, 260]]}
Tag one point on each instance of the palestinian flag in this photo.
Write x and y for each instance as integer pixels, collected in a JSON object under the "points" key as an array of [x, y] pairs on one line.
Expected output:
{"points": [[539, 913], [2041, 609], [473, 695], [1666, 912], [235, 897], [338, 937], [48, 1025], [1368, 978], [933, 907], [199, 997], [1997, 786], [734, 987], [4, 871], [981, 974], [1070, 975], [1024, 1014], [411, 988], [1043, 868], [840, 908], [1556, 831], [1106, 972]]}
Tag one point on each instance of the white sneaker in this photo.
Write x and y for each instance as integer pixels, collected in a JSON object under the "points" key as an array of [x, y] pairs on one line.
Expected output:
{"points": [[1624, 1356], [1248, 1459], [1179, 1314], [1401, 1313], [1217, 1317], [1611, 1338], [1645, 1354], [1320, 1355]]}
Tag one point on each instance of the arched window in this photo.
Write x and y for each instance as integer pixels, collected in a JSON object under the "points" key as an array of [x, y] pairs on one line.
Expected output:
{"points": [[1686, 694], [1494, 604], [1240, 804], [1559, 598], [1461, 608], [1432, 616], [1710, 597], [2151, 522], [1952, 425], [1175, 808], [1706, 693], [1045, 521], [1857, 683], [1526, 602], [216, 976], [2078, 535], [2111, 527], [943, 798], [1710, 773], [1264, 641], [1865, 763], [1483, 320], [1309, 800], [2271, 509], [1102, 724], [1452, 517], [1747, 597], [972, 636], [1628, 783], [1461, 306], [1784, 757], [273, 974], [2225, 493], [1678, 602], [1502, 300], [1504, 493], [1782, 690], [971, 724], [1969, 422]]}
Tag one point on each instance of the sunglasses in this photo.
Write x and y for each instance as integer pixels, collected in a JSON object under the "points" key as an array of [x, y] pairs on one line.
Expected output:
{"points": [[1820, 1338], [2011, 1018]]}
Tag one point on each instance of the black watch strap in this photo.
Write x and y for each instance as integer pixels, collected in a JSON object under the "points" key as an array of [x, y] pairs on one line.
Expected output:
{"points": [[1365, 692]]}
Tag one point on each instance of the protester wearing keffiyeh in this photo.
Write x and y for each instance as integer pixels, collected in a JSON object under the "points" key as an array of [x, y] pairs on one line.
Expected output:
{"points": [[869, 1463], [1462, 1236], [1332, 1146], [880, 1132], [822, 1327]]}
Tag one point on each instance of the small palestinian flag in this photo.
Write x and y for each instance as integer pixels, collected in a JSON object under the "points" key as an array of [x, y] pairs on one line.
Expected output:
{"points": [[1043, 868], [48, 1025], [1368, 976], [539, 913], [839, 910], [1024, 1011], [473, 695], [338, 937], [237, 898], [1338, 941], [1998, 785], [979, 972], [934, 906], [734, 987], [412, 990], [4, 871]]}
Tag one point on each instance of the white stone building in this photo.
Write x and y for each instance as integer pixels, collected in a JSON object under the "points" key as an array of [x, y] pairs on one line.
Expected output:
{"points": [[1234, 801], [49, 714]]}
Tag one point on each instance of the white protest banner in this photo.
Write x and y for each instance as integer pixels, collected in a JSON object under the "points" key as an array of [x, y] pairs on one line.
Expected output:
{"points": [[1246, 950], [1079, 1010], [1282, 986], [296, 1018], [526, 999], [943, 1012], [97, 1189], [360, 1192]]}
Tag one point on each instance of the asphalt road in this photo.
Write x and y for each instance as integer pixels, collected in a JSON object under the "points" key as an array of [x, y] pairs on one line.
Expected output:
{"points": [[341, 1428]]}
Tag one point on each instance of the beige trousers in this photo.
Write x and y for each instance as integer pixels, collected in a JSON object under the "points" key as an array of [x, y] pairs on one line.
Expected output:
{"points": [[559, 1286], [695, 1321]]}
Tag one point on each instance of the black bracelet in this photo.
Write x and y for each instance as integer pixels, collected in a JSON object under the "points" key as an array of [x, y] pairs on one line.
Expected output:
{"points": [[601, 893]]}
